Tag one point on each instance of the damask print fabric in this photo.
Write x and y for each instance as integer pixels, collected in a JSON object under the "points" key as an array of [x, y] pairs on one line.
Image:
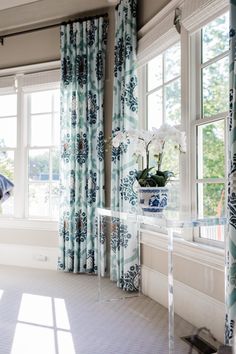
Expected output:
{"points": [[83, 46], [124, 244], [231, 232]]}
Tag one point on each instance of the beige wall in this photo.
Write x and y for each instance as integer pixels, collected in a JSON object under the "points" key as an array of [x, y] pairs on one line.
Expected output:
{"points": [[31, 48], [149, 8]]}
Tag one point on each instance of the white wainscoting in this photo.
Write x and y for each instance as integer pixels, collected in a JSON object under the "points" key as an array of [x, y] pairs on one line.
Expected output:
{"points": [[28, 256], [192, 305]]}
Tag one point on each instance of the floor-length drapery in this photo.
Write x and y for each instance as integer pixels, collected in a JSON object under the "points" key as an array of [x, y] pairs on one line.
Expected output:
{"points": [[231, 232], [124, 247], [83, 45]]}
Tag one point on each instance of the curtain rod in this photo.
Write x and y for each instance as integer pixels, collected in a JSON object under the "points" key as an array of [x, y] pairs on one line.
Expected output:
{"points": [[2, 37]]}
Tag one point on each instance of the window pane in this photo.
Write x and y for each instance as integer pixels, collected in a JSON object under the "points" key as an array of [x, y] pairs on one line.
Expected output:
{"points": [[155, 109], [55, 200], [211, 202], [55, 165], [41, 130], [7, 208], [173, 102], [7, 169], [211, 199], [56, 101], [7, 164], [41, 102], [8, 105], [215, 85], [211, 146], [172, 62], [39, 199], [56, 130], [7, 132], [155, 73], [39, 165], [170, 160], [215, 37]]}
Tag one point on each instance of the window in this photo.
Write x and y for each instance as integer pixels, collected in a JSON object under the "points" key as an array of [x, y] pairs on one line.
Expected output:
{"points": [[8, 142], [212, 80], [43, 154], [29, 144], [163, 98], [184, 82], [162, 75]]}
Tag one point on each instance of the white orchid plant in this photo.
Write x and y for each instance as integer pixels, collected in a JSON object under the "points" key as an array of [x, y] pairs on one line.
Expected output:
{"points": [[152, 142]]}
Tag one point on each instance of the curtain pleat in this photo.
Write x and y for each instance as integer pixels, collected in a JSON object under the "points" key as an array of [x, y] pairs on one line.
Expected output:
{"points": [[83, 46], [124, 244]]}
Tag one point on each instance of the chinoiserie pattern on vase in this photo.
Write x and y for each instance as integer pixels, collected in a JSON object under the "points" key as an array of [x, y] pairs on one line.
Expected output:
{"points": [[83, 46], [124, 251], [231, 232]]}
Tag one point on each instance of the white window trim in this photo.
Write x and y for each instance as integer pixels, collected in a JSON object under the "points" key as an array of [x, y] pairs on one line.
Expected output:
{"points": [[28, 224], [155, 37], [20, 220], [197, 120]]}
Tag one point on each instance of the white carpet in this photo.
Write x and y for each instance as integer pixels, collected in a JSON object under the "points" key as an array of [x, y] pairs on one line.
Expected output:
{"points": [[48, 312]]}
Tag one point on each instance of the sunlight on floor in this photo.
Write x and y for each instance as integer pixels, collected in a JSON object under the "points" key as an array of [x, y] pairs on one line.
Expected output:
{"points": [[62, 320], [30, 339], [1, 293], [36, 309], [65, 343], [43, 327]]}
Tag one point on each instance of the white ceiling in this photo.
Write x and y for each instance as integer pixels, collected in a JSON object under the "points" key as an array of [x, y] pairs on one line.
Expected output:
{"points": [[15, 14]]}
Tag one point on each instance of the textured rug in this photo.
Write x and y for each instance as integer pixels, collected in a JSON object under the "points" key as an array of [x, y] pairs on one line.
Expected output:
{"points": [[48, 312]]}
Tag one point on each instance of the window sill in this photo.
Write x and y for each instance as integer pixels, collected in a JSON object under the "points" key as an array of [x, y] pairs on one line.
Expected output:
{"points": [[28, 224], [196, 252]]}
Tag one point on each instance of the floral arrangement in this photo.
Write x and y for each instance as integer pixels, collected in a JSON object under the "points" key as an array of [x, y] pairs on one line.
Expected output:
{"points": [[147, 142]]}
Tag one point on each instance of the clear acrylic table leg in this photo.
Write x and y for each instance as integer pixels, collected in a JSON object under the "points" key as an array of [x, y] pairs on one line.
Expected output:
{"points": [[170, 292]]}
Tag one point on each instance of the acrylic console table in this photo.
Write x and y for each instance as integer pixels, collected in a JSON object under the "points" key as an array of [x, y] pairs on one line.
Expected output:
{"points": [[169, 221]]}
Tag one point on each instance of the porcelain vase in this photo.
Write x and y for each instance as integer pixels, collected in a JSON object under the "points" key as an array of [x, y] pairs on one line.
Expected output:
{"points": [[153, 199]]}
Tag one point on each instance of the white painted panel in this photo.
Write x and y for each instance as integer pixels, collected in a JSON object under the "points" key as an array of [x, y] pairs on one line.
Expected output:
{"points": [[29, 256], [192, 305]]}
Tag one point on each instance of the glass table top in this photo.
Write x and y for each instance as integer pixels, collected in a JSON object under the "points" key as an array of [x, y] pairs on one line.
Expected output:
{"points": [[167, 218]]}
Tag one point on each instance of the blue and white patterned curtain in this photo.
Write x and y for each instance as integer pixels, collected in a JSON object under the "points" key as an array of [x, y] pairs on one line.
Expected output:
{"points": [[83, 47], [124, 247], [231, 234]]}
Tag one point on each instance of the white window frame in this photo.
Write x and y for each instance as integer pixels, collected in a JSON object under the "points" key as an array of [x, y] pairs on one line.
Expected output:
{"points": [[20, 216], [154, 38], [197, 120], [29, 147]]}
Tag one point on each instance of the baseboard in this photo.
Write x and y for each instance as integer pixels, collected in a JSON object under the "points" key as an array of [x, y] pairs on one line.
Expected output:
{"points": [[192, 305], [29, 256]]}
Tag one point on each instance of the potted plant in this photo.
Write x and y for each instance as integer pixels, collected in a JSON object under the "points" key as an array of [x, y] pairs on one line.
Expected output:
{"points": [[152, 180]]}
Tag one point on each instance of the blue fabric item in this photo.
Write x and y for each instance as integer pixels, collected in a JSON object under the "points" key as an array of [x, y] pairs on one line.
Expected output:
{"points": [[6, 187], [124, 268]]}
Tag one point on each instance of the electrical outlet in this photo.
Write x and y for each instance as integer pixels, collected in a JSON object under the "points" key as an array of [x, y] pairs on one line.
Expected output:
{"points": [[41, 258]]}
